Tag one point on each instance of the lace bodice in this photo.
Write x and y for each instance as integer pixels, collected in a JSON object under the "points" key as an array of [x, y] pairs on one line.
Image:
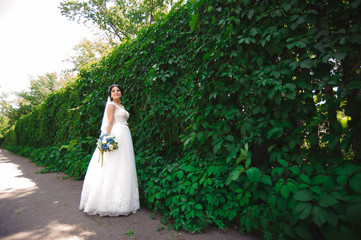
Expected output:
{"points": [[120, 115]]}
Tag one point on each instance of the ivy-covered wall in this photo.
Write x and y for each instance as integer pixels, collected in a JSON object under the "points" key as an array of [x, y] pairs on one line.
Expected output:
{"points": [[243, 113]]}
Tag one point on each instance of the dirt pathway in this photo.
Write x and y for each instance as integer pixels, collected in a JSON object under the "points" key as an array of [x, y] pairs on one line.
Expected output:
{"points": [[45, 206]]}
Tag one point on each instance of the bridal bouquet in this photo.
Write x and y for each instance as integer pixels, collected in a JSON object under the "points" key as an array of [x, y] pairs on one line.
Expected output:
{"points": [[106, 143]]}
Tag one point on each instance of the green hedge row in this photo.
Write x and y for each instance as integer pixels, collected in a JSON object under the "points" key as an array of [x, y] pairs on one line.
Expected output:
{"points": [[243, 113]]}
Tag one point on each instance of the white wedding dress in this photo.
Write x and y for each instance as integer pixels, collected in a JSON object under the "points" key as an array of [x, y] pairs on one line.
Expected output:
{"points": [[112, 189]]}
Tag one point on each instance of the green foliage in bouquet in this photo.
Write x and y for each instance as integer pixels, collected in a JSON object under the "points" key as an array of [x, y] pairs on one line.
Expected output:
{"points": [[243, 113]]}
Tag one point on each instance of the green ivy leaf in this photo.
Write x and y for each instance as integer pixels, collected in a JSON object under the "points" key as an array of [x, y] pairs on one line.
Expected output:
{"points": [[342, 179], [193, 22], [355, 183], [295, 170], [198, 206], [332, 217], [235, 174], [354, 212], [292, 186], [327, 201], [188, 168], [275, 132], [282, 204], [283, 163], [303, 232], [319, 215], [229, 138], [303, 195], [200, 137], [250, 13], [305, 178], [285, 192], [302, 210], [253, 174], [266, 180], [180, 174]]}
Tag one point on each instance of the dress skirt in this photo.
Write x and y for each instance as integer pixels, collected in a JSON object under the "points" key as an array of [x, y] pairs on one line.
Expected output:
{"points": [[112, 189]]}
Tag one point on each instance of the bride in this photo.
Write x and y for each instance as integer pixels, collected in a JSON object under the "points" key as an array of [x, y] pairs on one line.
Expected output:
{"points": [[112, 189]]}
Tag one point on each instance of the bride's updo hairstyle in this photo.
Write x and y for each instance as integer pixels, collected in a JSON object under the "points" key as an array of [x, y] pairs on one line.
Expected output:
{"points": [[110, 90]]}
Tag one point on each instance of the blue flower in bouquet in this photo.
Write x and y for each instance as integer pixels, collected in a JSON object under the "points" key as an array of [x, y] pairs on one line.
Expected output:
{"points": [[106, 143]]}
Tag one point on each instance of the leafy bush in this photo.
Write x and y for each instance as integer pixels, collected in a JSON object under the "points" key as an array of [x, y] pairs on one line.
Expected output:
{"points": [[235, 116]]}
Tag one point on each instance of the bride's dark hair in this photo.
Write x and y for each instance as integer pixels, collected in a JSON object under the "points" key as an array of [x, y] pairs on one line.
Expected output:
{"points": [[110, 90]]}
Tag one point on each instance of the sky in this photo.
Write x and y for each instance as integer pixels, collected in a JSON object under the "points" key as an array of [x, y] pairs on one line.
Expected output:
{"points": [[35, 39]]}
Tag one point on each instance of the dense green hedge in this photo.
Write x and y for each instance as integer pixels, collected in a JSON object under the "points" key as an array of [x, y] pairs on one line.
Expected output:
{"points": [[242, 113]]}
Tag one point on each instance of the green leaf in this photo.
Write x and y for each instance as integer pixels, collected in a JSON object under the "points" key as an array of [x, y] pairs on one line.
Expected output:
{"points": [[318, 179], [289, 231], [302, 210], [198, 206], [319, 215], [355, 183], [193, 22], [292, 186], [341, 180], [279, 184], [354, 212], [305, 178], [327, 201], [253, 174], [348, 233], [295, 170], [188, 168], [303, 232], [275, 132], [235, 174], [217, 145], [282, 204], [248, 162], [266, 180], [303, 195], [316, 189], [242, 156], [229, 138], [180, 174], [250, 13], [285, 192], [254, 31], [200, 137], [332, 217], [328, 184], [283, 163], [290, 86]]}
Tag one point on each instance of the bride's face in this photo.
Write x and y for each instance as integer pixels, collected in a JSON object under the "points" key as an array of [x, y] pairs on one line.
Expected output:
{"points": [[116, 93]]}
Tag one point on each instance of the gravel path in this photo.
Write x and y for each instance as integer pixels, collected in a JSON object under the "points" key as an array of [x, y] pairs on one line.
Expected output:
{"points": [[45, 206]]}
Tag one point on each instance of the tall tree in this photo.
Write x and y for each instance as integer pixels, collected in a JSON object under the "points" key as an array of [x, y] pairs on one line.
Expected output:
{"points": [[122, 18], [4, 121], [40, 88], [87, 51]]}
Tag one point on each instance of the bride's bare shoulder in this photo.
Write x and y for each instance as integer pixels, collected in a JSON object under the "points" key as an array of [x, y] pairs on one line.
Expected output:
{"points": [[111, 107]]}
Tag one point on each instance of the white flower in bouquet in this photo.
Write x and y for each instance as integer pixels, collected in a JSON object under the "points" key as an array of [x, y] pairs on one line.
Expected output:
{"points": [[106, 143]]}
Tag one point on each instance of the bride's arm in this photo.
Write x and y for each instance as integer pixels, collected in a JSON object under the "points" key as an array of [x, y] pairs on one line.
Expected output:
{"points": [[110, 114]]}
